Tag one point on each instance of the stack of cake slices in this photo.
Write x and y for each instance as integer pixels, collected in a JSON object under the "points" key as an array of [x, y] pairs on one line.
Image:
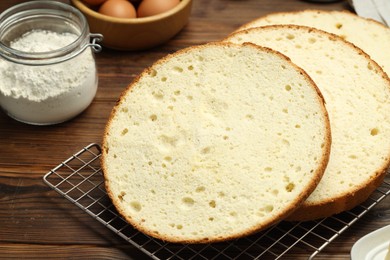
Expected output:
{"points": [[288, 118]]}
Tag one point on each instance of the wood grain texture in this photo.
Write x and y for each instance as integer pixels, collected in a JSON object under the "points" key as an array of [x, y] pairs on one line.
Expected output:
{"points": [[37, 223]]}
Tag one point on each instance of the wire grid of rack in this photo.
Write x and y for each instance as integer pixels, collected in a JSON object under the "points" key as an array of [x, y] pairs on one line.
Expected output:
{"points": [[79, 179]]}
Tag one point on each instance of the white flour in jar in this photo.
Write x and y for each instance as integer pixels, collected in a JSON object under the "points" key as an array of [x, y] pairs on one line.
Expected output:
{"points": [[47, 94]]}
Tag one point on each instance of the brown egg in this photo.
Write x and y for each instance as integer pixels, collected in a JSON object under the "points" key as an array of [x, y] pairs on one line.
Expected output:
{"points": [[94, 2], [153, 7], [118, 8]]}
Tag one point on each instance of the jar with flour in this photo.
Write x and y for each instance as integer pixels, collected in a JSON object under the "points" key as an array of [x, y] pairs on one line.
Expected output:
{"points": [[47, 68]]}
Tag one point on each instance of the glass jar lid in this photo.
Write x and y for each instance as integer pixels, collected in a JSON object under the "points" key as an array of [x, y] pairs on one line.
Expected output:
{"points": [[49, 16]]}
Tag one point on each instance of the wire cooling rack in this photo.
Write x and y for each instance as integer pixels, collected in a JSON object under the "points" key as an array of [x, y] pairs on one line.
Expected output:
{"points": [[79, 179]]}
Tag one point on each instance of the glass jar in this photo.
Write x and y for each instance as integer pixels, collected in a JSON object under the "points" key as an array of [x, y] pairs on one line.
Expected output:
{"points": [[47, 69]]}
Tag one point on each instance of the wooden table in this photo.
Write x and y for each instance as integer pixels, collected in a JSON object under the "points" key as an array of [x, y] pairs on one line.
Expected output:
{"points": [[38, 223]]}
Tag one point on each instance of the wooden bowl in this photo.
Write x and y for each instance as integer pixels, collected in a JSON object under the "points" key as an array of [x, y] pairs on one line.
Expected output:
{"points": [[136, 33]]}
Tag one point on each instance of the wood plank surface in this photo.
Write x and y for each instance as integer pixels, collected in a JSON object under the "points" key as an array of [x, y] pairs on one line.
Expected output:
{"points": [[38, 223]]}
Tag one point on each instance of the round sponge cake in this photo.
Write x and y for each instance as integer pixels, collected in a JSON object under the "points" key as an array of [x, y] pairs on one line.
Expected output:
{"points": [[369, 35], [215, 142], [357, 97]]}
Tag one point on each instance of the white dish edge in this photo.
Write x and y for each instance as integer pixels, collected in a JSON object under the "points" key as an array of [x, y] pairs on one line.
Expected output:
{"points": [[373, 246]]}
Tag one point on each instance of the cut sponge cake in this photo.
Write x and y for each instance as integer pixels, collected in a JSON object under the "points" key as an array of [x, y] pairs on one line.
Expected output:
{"points": [[215, 142], [369, 35], [357, 97]]}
